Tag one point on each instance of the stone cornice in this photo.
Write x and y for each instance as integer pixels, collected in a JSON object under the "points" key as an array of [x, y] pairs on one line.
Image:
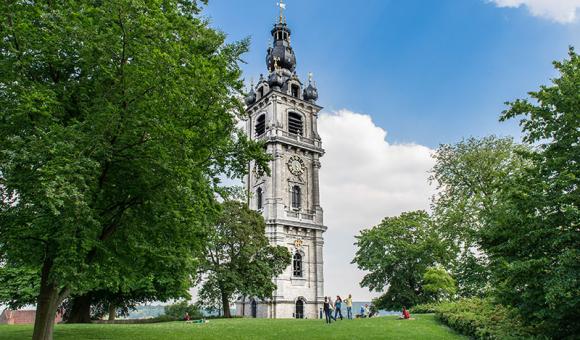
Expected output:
{"points": [[263, 102]]}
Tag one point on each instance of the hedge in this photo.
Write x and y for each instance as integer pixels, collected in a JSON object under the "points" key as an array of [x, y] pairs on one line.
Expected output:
{"points": [[478, 318]]}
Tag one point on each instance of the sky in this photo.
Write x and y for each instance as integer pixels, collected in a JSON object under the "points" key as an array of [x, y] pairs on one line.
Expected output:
{"points": [[397, 78]]}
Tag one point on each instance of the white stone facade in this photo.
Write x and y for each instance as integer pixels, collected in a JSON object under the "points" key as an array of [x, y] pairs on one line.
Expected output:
{"points": [[300, 229], [283, 114]]}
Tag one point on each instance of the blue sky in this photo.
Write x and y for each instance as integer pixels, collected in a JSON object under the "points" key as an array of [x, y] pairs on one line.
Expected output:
{"points": [[397, 78], [427, 71]]}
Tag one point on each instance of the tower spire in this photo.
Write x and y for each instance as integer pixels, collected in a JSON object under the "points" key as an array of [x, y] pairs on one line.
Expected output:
{"points": [[282, 6]]}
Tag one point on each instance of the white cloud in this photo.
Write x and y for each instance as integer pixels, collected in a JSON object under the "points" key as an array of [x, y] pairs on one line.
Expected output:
{"points": [[563, 11], [363, 179]]}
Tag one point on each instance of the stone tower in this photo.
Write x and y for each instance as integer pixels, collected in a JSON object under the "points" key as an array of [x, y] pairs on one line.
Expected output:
{"points": [[283, 113]]}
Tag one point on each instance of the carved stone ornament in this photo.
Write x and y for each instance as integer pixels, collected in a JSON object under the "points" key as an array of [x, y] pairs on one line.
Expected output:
{"points": [[296, 165], [298, 243]]}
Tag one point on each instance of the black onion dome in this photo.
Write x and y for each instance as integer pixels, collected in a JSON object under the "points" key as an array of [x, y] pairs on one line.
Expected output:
{"points": [[251, 97], [276, 81], [310, 93], [281, 51]]}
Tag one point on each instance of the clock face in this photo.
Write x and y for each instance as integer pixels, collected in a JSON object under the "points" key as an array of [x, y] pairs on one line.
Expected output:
{"points": [[296, 165]]}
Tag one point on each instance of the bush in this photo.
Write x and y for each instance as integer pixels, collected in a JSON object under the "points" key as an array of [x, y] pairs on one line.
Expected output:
{"points": [[177, 311], [481, 319], [425, 308]]}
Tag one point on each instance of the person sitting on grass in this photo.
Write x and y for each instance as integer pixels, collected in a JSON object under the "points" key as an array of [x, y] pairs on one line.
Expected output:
{"points": [[406, 315]]}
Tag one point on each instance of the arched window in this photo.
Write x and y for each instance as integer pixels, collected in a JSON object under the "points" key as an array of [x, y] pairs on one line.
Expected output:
{"points": [[254, 309], [299, 314], [297, 265], [295, 91], [260, 92], [259, 198], [295, 124], [296, 197], [261, 125]]}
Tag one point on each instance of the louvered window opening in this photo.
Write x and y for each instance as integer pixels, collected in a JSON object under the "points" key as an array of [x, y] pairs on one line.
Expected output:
{"points": [[261, 125], [295, 124]]}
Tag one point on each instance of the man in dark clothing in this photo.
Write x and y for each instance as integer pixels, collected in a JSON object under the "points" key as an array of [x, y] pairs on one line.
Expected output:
{"points": [[327, 312]]}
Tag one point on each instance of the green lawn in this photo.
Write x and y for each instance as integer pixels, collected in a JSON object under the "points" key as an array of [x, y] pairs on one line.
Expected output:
{"points": [[424, 327]]}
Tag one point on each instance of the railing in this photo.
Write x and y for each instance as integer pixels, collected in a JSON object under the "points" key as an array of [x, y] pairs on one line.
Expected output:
{"points": [[292, 214], [297, 137], [295, 214]]}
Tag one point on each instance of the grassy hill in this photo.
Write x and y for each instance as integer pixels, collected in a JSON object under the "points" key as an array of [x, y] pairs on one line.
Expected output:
{"points": [[424, 327]]}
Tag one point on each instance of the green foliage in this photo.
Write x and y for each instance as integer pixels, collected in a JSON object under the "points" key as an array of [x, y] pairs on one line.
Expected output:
{"points": [[178, 310], [532, 238], [469, 176], [18, 286], [438, 284], [238, 258], [472, 274], [397, 252], [482, 319], [425, 308], [117, 120]]}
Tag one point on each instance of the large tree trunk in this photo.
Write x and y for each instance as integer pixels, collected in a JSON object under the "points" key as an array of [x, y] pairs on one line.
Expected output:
{"points": [[80, 310], [48, 301], [226, 306], [112, 312]]}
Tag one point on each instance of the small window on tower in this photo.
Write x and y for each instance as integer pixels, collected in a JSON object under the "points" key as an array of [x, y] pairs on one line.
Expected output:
{"points": [[260, 125], [259, 198], [295, 124], [295, 91], [296, 197], [297, 265]]}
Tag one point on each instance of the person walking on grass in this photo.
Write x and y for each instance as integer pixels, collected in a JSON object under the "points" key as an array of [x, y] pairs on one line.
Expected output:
{"points": [[331, 308], [338, 306], [348, 302], [327, 310]]}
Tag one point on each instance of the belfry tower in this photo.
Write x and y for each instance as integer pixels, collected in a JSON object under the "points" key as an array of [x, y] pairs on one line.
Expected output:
{"points": [[283, 113]]}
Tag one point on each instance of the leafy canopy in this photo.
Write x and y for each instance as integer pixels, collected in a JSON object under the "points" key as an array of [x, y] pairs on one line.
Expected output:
{"points": [[239, 259], [396, 253], [438, 284], [533, 239], [117, 119], [469, 176]]}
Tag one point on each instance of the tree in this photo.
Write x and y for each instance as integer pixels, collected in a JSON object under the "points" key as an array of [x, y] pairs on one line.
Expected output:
{"points": [[117, 119], [469, 176], [396, 253], [532, 238], [438, 284], [238, 258], [178, 310]]}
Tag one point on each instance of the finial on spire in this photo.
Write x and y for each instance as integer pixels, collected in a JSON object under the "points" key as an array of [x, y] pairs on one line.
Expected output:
{"points": [[310, 77], [282, 6]]}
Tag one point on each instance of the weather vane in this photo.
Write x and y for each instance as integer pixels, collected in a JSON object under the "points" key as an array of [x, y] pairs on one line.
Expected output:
{"points": [[282, 6]]}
